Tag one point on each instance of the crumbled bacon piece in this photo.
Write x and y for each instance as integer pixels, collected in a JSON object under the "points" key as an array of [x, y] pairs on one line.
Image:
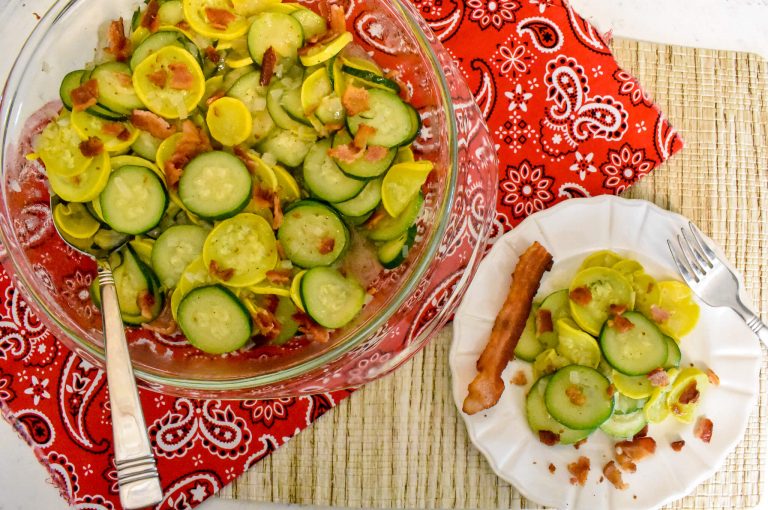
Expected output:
{"points": [[146, 301], [266, 323], [324, 6], [326, 246], [164, 324], [152, 124], [222, 274], [242, 155], [544, 322], [552, 468], [635, 450], [181, 77], [85, 96], [690, 394], [575, 395], [219, 19], [279, 276], [262, 198], [579, 471], [376, 153], [280, 249], [150, 20], [578, 444], [659, 315], [91, 147], [581, 296], [617, 309], [658, 377], [183, 25], [311, 329], [548, 437], [714, 379], [215, 97], [613, 475], [337, 21], [376, 218], [611, 390], [193, 141], [158, 78], [643, 432], [119, 45], [211, 54], [364, 133], [116, 129], [621, 324], [268, 67], [703, 429], [277, 212], [355, 100], [345, 153], [677, 445], [519, 379]]}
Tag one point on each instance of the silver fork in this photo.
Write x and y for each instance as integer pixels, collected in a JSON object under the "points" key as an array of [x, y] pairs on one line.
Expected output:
{"points": [[710, 278]]}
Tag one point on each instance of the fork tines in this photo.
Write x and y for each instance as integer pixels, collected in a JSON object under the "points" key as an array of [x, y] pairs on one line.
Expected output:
{"points": [[694, 258]]}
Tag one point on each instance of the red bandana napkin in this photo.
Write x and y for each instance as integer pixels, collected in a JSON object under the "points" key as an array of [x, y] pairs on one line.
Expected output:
{"points": [[567, 122]]}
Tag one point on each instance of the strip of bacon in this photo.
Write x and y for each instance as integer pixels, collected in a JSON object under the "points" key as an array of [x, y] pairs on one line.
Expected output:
{"points": [[326, 246], [222, 274], [579, 471], [376, 153], [659, 315], [714, 379], [219, 19], [544, 322], [193, 141], [658, 377], [164, 324], [119, 45], [690, 394], [146, 301], [152, 124], [364, 133], [268, 325], [158, 78], [519, 379], [337, 21], [279, 276], [703, 429], [355, 100], [85, 96], [677, 445], [581, 296], [150, 20], [313, 331], [613, 475], [91, 147], [346, 153], [548, 437], [268, 67], [181, 77]]}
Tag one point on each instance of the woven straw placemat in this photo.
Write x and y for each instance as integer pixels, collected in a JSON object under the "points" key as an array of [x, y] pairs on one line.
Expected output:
{"points": [[399, 443]]}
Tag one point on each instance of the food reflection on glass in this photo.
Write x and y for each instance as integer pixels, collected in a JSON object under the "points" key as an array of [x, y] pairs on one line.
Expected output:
{"points": [[605, 356], [254, 159]]}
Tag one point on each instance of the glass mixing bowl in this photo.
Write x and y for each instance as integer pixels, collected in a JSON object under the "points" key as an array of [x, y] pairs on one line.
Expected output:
{"points": [[411, 302]]}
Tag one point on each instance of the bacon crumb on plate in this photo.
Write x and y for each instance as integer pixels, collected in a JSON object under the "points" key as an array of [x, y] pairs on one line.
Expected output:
{"points": [[643, 432], [152, 124], [91, 147], [714, 379], [519, 379], [659, 315], [621, 324], [703, 429], [544, 322], [579, 471], [222, 274], [355, 100], [658, 377], [635, 450], [613, 474], [581, 296], [548, 437], [552, 468], [690, 394], [677, 445], [578, 444], [85, 96]]}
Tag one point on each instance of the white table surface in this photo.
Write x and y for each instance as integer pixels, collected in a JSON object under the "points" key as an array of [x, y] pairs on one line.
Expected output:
{"points": [[718, 24]]}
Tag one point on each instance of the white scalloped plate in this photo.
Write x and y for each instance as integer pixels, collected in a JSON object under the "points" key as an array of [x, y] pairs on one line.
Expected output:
{"points": [[720, 341]]}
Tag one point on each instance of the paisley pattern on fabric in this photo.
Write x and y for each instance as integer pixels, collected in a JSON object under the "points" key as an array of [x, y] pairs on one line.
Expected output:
{"points": [[560, 129]]}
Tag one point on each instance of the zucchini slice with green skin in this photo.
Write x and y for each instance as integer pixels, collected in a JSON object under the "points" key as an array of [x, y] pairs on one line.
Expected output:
{"points": [[625, 426], [215, 185], [116, 88], [371, 79], [331, 299], [282, 119], [627, 405], [324, 179], [174, 250], [312, 234], [557, 305], [134, 200], [287, 146], [529, 347], [391, 228], [392, 118], [281, 32], [249, 90], [288, 326], [636, 351], [364, 202], [146, 146], [539, 418], [70, 82], [393, 253], [362, 168], [154, 42], [312, 24], [579, 397], [673, 353], [135, 281], [214, 320]]}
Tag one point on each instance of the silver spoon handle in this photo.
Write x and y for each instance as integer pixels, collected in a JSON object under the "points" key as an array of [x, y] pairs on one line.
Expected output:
{"points": [[136, 469]]}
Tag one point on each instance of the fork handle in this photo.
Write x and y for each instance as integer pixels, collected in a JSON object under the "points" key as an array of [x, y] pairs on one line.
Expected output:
{"points": [[136, 469], [754, 323]]}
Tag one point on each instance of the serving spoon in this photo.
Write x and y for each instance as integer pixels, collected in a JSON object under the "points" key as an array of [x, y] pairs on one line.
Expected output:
{"points": [[137, 474]]}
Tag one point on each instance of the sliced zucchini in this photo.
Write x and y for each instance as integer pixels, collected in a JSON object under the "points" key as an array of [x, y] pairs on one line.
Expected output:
{"points": [[364, 202], [579, 397], [312, 24], [625, 426], [636, 351], [174, 250], [215, 185], [528, 347], [324, 179], [134, 200], [249, 90], [331, 299], [391, 117], [393, 253], [371, 79], [673, 353], [558, 307], [146, 146], [539, 418], [391, 228], [214, 320], [281, 32], [155, 42], [288, 326], [287, 147], [627, 405], [116, 90], [135, 282], [363, 167], [70, 82], [277, 90], [312, 234], [605, 288]]}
